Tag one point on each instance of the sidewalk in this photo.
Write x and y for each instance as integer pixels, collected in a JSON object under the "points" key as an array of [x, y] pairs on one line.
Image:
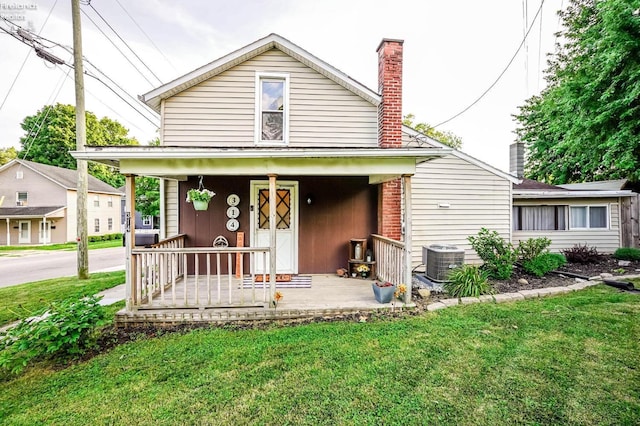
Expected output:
{"points": [[112, 295]]}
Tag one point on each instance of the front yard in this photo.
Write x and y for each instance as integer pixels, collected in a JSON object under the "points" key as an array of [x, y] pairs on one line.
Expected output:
{"points": [[570, 359]]}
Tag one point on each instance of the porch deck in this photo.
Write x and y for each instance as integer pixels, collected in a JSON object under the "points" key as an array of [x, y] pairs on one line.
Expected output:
{"points": [[328, 295]]}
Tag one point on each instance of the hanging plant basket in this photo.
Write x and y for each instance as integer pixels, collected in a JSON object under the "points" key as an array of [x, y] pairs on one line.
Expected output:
{"points": [[200, 197]]}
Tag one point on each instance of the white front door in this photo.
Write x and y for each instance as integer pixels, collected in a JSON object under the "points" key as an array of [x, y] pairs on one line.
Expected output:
{"points": [[24, 232], [45, 232], [286, 224]]}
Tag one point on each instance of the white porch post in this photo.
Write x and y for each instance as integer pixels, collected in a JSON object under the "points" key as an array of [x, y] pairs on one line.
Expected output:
{"points": [[272, 234], [407, 236], [44, 230], [130, 235], [8, 232]]}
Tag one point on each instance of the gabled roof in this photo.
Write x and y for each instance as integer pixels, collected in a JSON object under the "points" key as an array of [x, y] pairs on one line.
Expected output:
{"points": [[535, 185], [421, 137], [531, 189], [611, 185], [272, 41], [66, 178]]}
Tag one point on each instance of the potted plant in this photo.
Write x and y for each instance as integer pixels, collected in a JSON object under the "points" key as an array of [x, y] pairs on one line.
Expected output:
{"points": [[200, 198], [383, 291], [363, 270]]}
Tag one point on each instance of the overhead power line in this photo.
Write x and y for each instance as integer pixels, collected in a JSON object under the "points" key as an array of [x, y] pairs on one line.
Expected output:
{"points": [[499, 76]]}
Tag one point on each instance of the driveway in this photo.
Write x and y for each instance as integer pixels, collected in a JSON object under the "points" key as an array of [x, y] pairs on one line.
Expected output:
{"points": [[41, 265]]}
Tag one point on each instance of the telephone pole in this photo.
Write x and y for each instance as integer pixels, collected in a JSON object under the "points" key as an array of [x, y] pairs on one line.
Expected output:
{"points": [[81, 137]]}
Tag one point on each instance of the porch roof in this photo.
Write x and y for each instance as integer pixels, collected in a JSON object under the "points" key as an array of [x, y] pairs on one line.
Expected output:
{"points": [[31, 212], [179, 162]]}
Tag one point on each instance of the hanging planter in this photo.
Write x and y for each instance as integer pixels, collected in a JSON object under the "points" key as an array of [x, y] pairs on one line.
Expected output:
{"points": [[200, 196]]}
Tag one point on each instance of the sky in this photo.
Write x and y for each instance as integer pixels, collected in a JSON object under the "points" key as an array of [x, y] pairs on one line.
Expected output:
{"points": [[454, 50]]}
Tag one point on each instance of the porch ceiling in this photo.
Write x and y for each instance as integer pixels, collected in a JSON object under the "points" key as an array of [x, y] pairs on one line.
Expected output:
{"points": [[175, 163]]}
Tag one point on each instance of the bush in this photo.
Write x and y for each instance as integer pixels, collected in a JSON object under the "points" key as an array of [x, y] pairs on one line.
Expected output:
{"points": [[581, 254], [544, 264], [627, 253], [67, 328], [532, 248], [467, 281], [498, 255]]}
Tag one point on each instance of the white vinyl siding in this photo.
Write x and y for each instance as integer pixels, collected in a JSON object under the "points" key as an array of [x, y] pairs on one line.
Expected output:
{"points": [[221, 111], [452, 199], [606, 240], [171, 207]]}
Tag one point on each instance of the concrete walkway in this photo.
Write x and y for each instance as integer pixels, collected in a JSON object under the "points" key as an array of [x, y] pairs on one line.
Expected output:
{"points": [[112, 295]]}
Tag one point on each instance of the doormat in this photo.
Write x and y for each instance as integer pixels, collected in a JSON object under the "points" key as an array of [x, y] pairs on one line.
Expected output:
{"points": [[297, 281], [279, 277]]}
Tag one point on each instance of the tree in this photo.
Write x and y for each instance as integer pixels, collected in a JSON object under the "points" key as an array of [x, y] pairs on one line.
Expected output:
{"points": [[148, 196], [585, 126], [447, 138], [7, 154], [51, 134]]}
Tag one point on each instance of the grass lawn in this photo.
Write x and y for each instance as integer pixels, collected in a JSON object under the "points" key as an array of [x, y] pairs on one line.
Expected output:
{"points": [[22, 301], [570, 359], [65, 246], [635, 282]]}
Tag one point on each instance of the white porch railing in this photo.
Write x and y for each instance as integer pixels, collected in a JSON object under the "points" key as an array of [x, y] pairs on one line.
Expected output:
{"points": [[389, 256], [159, 280]]}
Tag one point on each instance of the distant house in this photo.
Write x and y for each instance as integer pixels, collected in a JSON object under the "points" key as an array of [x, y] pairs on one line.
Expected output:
{"points": [[590, 213], [38, 204]]}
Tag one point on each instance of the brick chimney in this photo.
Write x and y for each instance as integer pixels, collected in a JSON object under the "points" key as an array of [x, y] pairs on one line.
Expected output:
{"points": [[390, 87], [390, 133]]}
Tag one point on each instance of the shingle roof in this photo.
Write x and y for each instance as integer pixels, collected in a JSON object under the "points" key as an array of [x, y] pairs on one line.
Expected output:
{"points": [[534, 184], [69, 178], [28, 211]]}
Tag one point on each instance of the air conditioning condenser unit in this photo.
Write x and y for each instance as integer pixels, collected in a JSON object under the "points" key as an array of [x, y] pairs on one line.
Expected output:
{"points": [[441, 259]]}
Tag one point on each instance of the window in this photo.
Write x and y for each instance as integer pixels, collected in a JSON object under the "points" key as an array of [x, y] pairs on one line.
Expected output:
{"points": [[96, 226], [588, 217], [19, 174], [110, 224], [272, 108], [110, 202], [21, 198], [147, 220], [96, 201], [539, 218]]}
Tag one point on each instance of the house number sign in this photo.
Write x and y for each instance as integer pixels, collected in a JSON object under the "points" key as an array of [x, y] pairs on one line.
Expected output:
{"points": [[233, 212]]}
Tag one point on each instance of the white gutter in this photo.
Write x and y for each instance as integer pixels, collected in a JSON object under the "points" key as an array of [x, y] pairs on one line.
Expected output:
{"points": [[571, 194]]}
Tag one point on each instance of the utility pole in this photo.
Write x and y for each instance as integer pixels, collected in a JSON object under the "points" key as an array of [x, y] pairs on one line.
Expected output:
{"points": [[81, 137]]}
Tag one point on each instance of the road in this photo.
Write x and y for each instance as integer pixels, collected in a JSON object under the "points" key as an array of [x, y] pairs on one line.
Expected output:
{"points": [[42, 265]]}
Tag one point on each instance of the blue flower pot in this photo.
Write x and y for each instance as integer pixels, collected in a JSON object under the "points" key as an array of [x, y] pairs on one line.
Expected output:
{"points": [[383, 294]]}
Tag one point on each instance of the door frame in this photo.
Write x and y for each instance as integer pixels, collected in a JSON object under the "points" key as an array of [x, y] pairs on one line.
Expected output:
{"points": [[20, 239], [293, 186]]}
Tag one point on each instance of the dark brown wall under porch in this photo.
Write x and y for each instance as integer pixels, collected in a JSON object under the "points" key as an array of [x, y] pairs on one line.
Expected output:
{"points": [[341, 208]]}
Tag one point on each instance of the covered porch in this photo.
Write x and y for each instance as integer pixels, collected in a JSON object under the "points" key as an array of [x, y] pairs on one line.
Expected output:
{"points": [[185, 278]]}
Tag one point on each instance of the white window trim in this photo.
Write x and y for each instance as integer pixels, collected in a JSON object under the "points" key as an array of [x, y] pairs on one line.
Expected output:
{"points": [[258, 102], [25, 202], [588, 227]]}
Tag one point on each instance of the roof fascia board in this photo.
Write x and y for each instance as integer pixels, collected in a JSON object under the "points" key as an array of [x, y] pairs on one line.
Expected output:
{"points": [[463, 156], [571, 194]]}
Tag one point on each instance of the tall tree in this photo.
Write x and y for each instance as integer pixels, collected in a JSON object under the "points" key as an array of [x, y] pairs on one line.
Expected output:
{"points": [[585, 126], [50, 135], [7, 154], [447, 138]]}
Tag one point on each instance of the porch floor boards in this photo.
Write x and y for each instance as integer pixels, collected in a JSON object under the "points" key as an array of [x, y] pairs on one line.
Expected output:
{"points": [[328, 295]]}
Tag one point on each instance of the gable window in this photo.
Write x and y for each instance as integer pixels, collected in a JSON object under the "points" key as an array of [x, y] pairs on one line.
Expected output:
{"points": [[96, 226], [21, 198], [539, 218], [147, 220], [110, 202], [19, 174], [96, 201], [589, 217], [272, 108]]}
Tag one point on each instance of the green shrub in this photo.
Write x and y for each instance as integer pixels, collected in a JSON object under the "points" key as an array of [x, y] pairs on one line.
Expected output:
{"points": [[467, 281], [67, 328], [498, 255], [544, 264], [532, 248], [581, 254], [627, 253]]}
